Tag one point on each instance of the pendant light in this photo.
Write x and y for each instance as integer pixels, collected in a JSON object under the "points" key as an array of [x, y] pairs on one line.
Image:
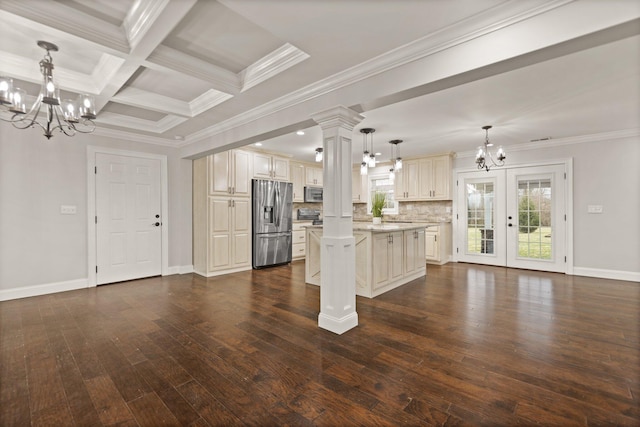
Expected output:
{"points": [[318, 155], [368, 157], [396, 160]]}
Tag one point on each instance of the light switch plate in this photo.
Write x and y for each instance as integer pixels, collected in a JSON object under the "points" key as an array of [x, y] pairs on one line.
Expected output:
{"points": [[594, 209], [68, 209]]}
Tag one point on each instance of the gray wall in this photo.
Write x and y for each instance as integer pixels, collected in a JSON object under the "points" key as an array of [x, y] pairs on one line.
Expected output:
{"points": [[606, 173], [38, 245]]}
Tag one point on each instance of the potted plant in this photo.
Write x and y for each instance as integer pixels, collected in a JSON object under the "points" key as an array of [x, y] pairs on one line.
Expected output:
{"points": [[377, 204]]}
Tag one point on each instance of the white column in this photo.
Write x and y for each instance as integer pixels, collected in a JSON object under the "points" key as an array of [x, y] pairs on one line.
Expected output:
{"points": [[337, 252]]}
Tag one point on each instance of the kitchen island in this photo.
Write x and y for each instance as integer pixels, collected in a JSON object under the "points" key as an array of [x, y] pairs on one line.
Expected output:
{"points": [[387, 256]]}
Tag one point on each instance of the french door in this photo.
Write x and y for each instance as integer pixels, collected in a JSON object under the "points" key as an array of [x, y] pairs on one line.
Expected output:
{"points": [[513, 217]]}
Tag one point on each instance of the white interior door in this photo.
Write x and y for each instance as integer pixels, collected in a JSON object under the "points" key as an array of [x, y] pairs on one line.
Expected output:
{"points": [[128, 218], [513, 217]]}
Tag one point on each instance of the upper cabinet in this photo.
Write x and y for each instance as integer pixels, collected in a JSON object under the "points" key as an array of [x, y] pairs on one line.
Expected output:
{"points": [[313, 176], [230, 173], [297, 178], [427, 178], [359, 186], [268, 166], [435, 178]]}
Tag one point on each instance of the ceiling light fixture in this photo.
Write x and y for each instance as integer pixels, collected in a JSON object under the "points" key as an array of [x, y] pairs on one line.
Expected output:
{"points": [[300, 132], [368, 158], [396, 160], [67, 116], [318, 154], [484, 154]]}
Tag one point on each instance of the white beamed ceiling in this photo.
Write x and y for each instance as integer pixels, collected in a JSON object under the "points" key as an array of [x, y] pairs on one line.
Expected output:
{"points": [[201, 75]]}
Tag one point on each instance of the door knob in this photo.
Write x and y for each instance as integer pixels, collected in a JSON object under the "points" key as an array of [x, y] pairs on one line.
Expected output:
{"points": [[510, 225], [157, 224], [510, 217]]}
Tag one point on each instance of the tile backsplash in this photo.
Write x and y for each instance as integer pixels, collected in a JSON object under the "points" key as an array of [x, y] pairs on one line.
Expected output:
{"points": [[435, 211]]}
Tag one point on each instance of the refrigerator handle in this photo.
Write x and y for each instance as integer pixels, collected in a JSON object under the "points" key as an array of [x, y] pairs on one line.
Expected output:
{"points": [[276, 205]]}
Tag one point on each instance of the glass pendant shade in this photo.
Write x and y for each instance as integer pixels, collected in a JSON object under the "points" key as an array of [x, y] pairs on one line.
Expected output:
{"points": [[364, 168], [318, 154], [86, 107], [392, 174], [365, 156], [6, 86], [70, 111], [398, 164], [18, 101], [372, 160], [501, 154], [50, 91]]}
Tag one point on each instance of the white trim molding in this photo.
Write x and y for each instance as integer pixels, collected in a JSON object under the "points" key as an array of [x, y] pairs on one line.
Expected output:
{"points": [[630, 276], [44, 289]]}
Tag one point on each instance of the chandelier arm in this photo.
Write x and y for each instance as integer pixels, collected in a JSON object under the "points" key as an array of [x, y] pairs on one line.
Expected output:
{"points": [[35, 110], [91, 126], [69, 126]]}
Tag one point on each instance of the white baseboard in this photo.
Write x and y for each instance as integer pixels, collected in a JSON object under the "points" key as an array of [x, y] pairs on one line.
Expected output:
{"points": [[49, 288], [631, 276], [179, 269]]}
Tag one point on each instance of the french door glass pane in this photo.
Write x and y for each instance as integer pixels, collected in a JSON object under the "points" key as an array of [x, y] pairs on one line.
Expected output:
{"points": [[534, 219], [480, 218]]}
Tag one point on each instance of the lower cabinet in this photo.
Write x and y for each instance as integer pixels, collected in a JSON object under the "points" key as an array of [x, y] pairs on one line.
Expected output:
{"points": [[438, 243], [229, 233], [414, 249], [298, 250], [387, 258], [383, 260]]}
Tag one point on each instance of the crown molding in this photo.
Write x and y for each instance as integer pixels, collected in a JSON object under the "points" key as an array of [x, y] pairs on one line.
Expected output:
{"points": [[571, 140], [270, 65], [446, 38], [134, 137], [57, 16], [166, 58], [207, 100], [152, 101], [141, 18], [166, 123]]}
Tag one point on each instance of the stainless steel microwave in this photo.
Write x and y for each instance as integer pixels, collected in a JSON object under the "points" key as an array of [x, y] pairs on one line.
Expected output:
{"points": [[313, 194]]}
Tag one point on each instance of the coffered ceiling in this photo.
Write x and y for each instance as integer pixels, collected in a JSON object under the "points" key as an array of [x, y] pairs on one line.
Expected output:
{"points": [[202, 74]]}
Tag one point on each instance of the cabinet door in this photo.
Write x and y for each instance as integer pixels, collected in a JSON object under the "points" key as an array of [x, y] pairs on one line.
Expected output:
{"points": [[261, 166], [280, 168], [241, 234], [313, 176], [219, 233], [407, 183], [219, 166], [241, 183], [441, 178], [432, 248], [381, 273], [396, 248], [297, 178], [410, 250], [426, 181]]}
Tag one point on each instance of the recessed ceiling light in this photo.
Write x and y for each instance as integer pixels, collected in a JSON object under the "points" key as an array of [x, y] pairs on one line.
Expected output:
{"points": [[258, 144], [300, 132], [378, 154], [178, 137]]}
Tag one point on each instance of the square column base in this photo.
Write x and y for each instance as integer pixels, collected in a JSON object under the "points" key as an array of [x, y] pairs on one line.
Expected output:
{"points": [[338, 326]]}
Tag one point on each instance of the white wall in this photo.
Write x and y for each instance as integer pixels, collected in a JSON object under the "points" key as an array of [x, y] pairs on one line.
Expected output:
{"points": [[605, 172], [38, 245]]}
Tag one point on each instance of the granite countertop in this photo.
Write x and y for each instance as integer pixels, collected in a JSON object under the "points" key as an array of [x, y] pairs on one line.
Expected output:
{"points": [[367, 226]]}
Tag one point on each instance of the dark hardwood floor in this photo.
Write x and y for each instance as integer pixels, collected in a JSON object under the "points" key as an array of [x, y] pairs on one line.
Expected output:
{"points": [[467, 345]]}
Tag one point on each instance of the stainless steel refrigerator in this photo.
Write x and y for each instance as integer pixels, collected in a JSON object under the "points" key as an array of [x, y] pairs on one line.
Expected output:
{"points": [[272, 222]]}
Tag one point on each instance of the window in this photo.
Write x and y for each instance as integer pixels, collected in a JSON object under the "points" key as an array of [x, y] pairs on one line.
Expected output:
{"points": [[383, 184]]}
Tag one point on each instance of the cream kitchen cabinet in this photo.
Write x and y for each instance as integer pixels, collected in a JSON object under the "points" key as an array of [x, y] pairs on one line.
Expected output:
{"points": [[438, 243], [387, 258], [359, 186], [221, 226], [414, 251], [298, 250], [435, 178], [229, 173], [313, 176], [297, 178], [407, 182], [268, 166]]}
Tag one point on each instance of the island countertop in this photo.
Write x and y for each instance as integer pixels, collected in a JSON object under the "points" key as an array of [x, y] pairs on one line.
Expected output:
{"points": [[382, 228]]}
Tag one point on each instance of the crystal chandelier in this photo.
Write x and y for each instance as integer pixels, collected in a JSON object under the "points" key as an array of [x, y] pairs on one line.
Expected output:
{"points": [[368, 157], [66, 116], [484, 159]]}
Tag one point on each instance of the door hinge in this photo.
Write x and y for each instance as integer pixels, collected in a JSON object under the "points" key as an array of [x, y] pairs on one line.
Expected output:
{"points": [[457, 250], [565, 175], [456, 182], [95, 170], [96, 269], [565, 259], [96, 219], [457, 216], [565, 217]]}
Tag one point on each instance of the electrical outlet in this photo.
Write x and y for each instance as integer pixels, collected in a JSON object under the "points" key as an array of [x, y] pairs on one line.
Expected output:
{"points": [[68, 209]]}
